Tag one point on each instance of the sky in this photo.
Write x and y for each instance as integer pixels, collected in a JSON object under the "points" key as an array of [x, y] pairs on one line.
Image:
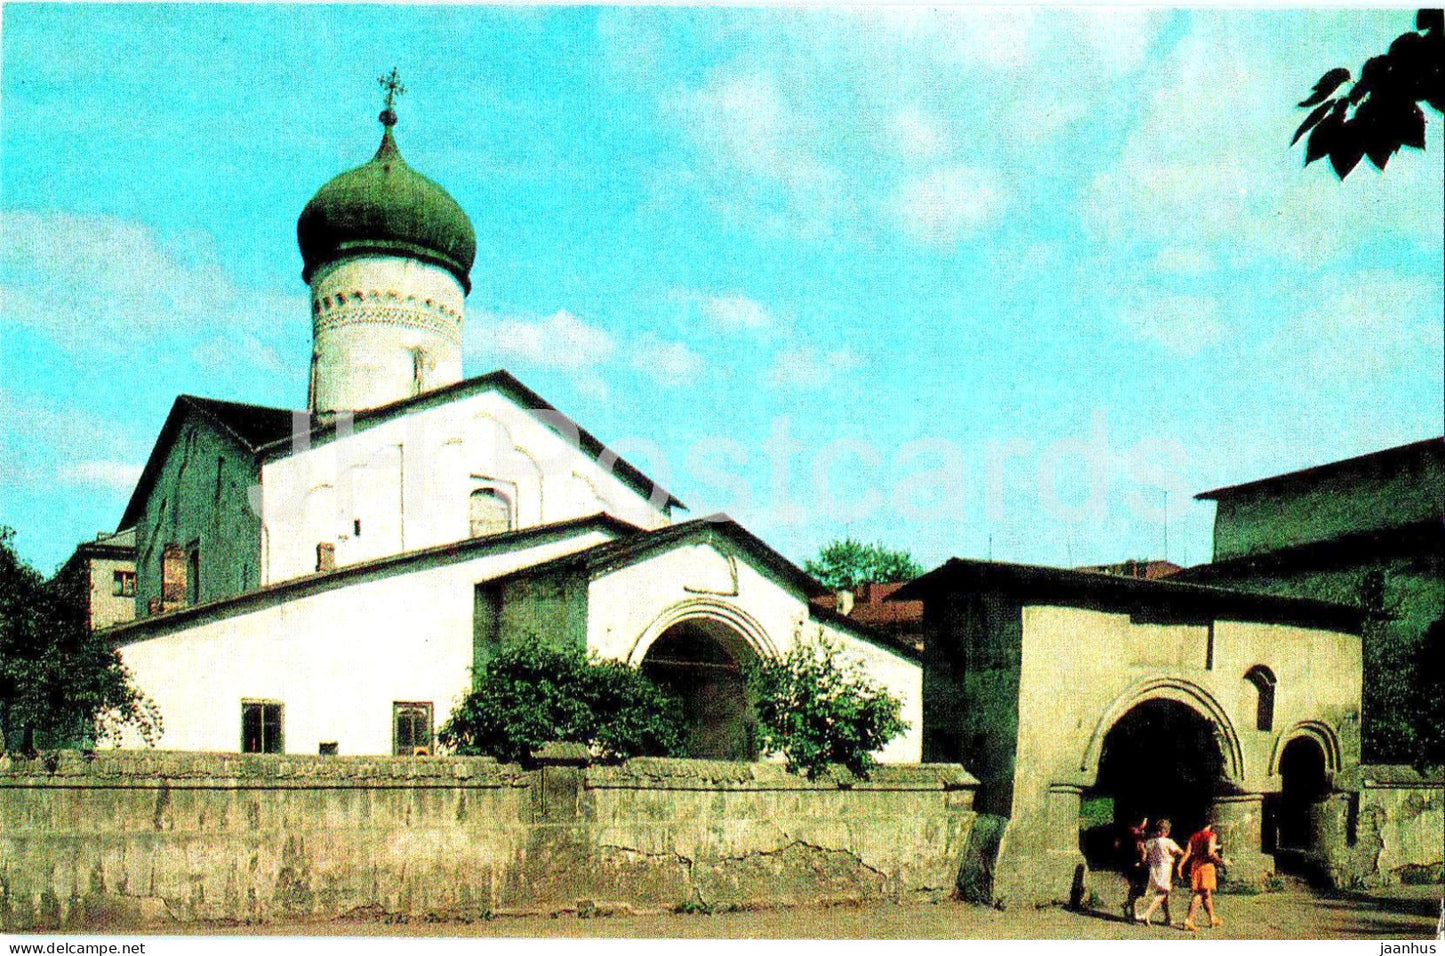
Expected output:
{"points": [[1000, 282]]}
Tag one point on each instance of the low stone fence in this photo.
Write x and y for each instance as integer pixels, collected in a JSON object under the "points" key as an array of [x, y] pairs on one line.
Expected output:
{"points": [[140, 838]]}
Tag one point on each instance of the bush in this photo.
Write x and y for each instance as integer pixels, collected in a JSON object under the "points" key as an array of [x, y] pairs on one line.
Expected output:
{"points": [[816, 709], [529, 695]]}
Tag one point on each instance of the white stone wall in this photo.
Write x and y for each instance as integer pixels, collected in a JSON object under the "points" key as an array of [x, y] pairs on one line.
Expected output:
{"points": [[408, 482], [630, 607], [106, 607], [336, 659], [385, 328]]}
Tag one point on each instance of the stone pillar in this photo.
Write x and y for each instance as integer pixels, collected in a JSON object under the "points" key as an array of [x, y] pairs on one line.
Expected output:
{"points": [[1065, 862], [1238, 819]]}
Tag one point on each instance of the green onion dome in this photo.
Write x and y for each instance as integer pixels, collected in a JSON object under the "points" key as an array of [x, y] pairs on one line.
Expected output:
{"points": [[386, 208]]}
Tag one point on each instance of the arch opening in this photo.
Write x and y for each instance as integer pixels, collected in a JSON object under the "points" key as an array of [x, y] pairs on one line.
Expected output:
{"points": [[1161, 760], [701, 662], [1305, 783]]}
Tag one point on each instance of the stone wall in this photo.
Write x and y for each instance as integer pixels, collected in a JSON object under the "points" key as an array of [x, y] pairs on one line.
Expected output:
{"points": [[127, 838], [1393, 829]]}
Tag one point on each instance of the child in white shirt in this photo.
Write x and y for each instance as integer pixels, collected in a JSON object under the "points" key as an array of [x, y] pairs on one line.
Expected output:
{"points": [[1160, 853]]}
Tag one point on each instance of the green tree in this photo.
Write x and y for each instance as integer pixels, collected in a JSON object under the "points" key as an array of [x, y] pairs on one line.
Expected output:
{"points": [[1427, 698], [529, 695], [817, 709], [846, 563], [1380, 111], [61, 684]]}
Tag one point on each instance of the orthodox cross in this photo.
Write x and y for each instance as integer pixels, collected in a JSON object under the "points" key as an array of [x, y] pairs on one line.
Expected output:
{"points": [[391, 84]]}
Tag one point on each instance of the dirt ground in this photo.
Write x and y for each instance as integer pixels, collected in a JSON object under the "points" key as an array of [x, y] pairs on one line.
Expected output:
{"points": [[1402, 912]]}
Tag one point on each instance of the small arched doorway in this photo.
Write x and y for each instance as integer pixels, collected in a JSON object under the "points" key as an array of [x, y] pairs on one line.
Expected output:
{"points": [[701, 662], [1161, 760], [1304, 784]]}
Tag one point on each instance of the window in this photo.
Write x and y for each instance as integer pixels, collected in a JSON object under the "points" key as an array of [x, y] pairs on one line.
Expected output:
{"points": [[261, 728], [411, 728], [490, 512], [193, 576], [1263, 680], [123, 584]]}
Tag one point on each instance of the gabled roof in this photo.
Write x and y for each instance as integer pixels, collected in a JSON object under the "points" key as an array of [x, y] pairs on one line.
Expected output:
{"points": [[387, 566], [1388, 457], [634, 547], [631, 548], [271, 433], [249, 427], [500, 381], [1061, 586]]}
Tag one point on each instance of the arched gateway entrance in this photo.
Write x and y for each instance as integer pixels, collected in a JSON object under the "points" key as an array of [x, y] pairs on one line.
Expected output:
{"points": [[700, 660], [1166, 750], [1160, 760]]}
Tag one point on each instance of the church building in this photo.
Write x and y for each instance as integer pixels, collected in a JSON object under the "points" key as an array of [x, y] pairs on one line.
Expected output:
{"points": [[326, 580]]}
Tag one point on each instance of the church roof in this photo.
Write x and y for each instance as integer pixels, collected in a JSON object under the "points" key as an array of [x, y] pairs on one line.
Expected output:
{"points": [[634, 546], [249, 426], [1036, 584], [1385, 459], [500, 381], [387, 566], [269, 433], [386, 207]]}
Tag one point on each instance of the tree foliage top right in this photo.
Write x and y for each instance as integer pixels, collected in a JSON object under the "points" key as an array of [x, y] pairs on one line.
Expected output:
{"points": [[1379, 111]]}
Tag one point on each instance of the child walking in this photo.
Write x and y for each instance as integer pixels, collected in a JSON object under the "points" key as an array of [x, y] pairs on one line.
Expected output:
{"points": [[1202, 858], [1160, 853]]}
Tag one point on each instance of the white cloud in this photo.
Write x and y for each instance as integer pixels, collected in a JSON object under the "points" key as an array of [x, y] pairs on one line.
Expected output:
{"points": [[748, 130], [947, 204], [738, 312], [218, 354], [115, 475], [43, 442], [917, 136], [1181, 324], [1182, 261], [667, 363], [560, 340], [1361, 327], [102, 287], [806, 367], [1208, 164]]}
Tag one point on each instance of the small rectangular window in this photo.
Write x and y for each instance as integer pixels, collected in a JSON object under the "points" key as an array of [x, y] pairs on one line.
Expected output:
{"points": [[123, 584], [261, 727], [411, 728], [193, 575]]}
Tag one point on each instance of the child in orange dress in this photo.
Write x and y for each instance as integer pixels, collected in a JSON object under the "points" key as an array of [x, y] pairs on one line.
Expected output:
{"points": [[1202, 860]]}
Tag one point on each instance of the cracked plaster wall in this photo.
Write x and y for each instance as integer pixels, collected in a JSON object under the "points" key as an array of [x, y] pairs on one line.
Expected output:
{"points": [[128, 839]]}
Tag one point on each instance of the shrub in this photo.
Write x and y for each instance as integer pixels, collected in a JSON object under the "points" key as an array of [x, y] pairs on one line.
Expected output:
{"points": [[817, 709], [529, 694]]}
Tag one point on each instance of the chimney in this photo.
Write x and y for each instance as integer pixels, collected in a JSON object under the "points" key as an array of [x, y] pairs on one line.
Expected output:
{"points": [[845, 602], [326, 556]]}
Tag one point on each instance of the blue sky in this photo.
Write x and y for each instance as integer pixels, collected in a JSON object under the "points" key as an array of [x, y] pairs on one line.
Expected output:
{"points": [[999, 277]]}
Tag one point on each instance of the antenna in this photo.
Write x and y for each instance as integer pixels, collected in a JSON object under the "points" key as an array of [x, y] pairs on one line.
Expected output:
{"points": [[1166, 524]]}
